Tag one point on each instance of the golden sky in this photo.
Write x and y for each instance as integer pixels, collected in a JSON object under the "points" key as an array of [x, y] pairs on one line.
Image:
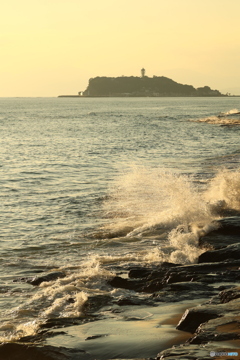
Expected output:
{"points": [[52, 47]]}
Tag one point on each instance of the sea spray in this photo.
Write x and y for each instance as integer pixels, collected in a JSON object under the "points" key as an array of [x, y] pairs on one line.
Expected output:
{"points": [[224, 189], [146, 200], [228, 118], [172, 210]]}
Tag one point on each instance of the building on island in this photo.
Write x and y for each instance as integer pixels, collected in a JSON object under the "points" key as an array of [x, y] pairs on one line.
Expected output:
{"points": [[143, 72]]}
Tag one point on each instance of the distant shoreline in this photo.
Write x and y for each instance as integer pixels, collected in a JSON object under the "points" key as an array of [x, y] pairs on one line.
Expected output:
{"points": [[118, 96], [144, 86]]}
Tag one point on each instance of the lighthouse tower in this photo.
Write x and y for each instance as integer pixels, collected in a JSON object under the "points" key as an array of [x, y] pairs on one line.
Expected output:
{"points": [[143, 72]]}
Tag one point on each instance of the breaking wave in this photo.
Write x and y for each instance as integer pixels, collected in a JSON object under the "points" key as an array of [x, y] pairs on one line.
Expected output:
{"points": [[172, 210], [229, 118], [151, 215]]}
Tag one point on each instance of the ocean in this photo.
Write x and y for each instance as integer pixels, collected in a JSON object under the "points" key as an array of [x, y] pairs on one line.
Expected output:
{"points": [[92, 186]]}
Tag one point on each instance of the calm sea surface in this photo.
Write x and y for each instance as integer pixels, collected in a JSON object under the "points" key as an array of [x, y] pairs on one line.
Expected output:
{"points": [[90, 186]]}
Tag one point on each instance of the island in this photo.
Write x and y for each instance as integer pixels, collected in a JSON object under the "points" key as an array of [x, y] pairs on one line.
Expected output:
{"points": [[141, 86]]}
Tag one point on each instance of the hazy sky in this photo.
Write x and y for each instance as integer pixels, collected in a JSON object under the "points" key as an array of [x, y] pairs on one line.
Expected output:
{"points": [[52, 47]]}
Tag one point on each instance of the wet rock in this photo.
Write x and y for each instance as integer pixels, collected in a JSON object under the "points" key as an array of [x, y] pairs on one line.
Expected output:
{"points": [[37, 280], [229, 294], [71, 300], [193, 317], [221, 329], [228, 233], [122, 283], [93, 337], [143, 272], [176, 277], [192, 352], [184, 291], [136, 285], [48, 277], [40, 336], [190, 286], [229, 252], [95, 302], [63, 322], [158, 278], [15, 351], [129, 301], [195, 272], [149, 285], [202, 268]]}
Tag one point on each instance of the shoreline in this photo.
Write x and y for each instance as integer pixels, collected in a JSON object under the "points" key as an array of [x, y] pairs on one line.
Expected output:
{"points": [[144, 323]]}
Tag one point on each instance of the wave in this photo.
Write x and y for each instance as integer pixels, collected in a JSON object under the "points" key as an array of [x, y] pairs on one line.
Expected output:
{"points": [[224, 189], [144, 198], [230, 112], [172, 210], [229, 118], [153, 216]]}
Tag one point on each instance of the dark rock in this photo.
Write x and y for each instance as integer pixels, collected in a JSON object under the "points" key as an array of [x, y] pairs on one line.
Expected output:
{"points": [[142, 272], [95, 303], [48, 277], [191, 352], [152, 285], [136, 273], [136, 285], [228, 233], [62, 322], [229, 294], [225, 328], [37, 280], [119, 282], [176, 277], [190, 286], [202, 268], [15, 351], [147, 286], [40, 336], [93, 337], [193, 317], [158, 278], [128, 301], [229, 252], [224, 287], [184, 291], [71, 300]]}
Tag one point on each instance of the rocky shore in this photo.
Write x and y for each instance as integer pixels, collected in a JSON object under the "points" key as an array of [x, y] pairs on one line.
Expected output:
{"points": [[210, 328]]}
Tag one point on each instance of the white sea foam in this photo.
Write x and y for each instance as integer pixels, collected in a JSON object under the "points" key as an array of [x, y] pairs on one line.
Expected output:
{"points": [[231, 112], [154, 199], [13, 332], [63, 297], [224, 189], [228, 118], [170, 208]]}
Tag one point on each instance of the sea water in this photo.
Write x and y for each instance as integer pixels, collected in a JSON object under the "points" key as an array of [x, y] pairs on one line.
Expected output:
{"points": [[90, 186]]}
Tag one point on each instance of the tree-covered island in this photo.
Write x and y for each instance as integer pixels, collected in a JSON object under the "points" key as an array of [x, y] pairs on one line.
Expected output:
{"points": [[143, 86]]}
